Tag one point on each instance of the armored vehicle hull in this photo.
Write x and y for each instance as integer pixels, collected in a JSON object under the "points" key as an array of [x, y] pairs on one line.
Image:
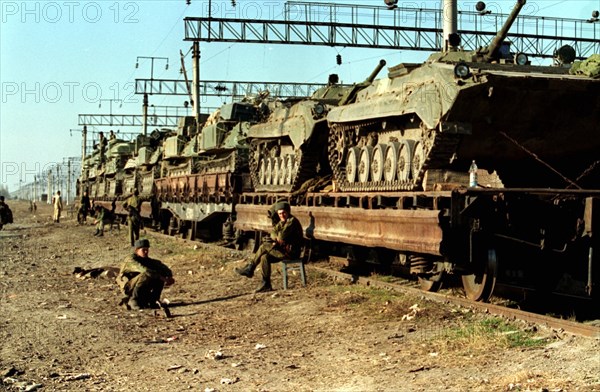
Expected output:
{"points": [[290, 147], [527, 123]]}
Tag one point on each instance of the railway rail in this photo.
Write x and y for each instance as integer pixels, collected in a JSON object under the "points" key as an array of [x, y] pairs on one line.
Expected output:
{"points": [[568, 326], [572, 327]]}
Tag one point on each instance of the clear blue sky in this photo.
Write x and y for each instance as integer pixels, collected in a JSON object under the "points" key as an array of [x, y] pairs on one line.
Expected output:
{"points": [[59, 58]]}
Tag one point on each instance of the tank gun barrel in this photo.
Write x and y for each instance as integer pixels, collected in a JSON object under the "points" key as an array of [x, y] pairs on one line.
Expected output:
{"points": [[350, 95], [376, 71], [501, 35]]}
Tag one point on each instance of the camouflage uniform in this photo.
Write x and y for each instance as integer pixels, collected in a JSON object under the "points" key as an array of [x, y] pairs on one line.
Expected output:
{"points": [[285, 243], [142, 280], [100, 216], [133, 204]]}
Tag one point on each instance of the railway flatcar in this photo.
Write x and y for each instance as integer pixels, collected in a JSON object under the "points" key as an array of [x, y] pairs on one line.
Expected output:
{"points": [[379, 172], [400, 149]]}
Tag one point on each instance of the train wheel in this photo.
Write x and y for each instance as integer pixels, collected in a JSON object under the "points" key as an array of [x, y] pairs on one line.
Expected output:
{"points": [[377, 164], [391, 161], [352, 164], [480, 285], [364, 164], [432, 282]]}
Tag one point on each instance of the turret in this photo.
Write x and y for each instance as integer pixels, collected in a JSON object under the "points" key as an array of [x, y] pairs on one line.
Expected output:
{"points": [[351, 93], [490, 52], [486, 54]]}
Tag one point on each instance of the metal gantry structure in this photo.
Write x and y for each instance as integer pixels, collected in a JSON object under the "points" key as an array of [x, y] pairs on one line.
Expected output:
{"points": [[129, 120], [403, 28], [235, 90]]}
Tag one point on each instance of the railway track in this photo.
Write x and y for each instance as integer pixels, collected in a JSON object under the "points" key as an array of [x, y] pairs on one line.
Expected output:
{"points": [[572, 327]]}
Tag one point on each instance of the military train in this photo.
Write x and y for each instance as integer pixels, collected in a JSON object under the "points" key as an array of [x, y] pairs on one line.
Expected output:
{"points": [[378, 172]]}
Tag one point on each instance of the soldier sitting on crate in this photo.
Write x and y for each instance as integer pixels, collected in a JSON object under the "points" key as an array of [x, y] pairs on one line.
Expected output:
{"points": [[285, 243], [142, 279]]}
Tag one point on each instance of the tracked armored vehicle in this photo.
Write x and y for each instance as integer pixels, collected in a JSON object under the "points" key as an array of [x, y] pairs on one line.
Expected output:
{"points": [[210, 163], [536, 126], [290, 147], [202, 172], [118, 153], [400, 149], [143, 168]]}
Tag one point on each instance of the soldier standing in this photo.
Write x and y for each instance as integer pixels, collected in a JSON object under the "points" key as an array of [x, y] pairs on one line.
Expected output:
{"points": [[101, 213], [102, 147], [57, 202], [85, 207], [142, 279], [134, 220], [285, 242]]}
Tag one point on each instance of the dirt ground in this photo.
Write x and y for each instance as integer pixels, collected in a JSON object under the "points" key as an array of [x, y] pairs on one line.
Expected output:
{"points": [[63, 333]]}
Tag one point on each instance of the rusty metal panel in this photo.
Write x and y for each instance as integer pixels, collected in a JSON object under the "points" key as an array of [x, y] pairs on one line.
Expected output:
{"points": [[408, 230]]}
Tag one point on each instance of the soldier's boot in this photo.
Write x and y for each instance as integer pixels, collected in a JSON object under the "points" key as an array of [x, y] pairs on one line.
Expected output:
{"points": [[133, 304], [96, 233], [247, 271], [264, 287]]}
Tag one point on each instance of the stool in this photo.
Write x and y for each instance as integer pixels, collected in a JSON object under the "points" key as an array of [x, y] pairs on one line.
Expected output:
{"points": [[292, 265]]}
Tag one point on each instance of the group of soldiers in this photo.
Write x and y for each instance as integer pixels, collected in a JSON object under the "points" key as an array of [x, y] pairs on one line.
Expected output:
{"points": [[142, 279]]}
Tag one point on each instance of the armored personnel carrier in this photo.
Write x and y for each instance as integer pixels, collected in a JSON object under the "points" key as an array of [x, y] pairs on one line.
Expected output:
{"points": [[144, 167], [290, 147], [105, 179], [202, 172], [210, 161], [118, 152], [424, 124]]}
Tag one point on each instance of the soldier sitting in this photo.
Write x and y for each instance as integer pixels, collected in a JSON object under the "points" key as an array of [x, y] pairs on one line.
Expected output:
{"points": [[285, 242], [142, 279]]}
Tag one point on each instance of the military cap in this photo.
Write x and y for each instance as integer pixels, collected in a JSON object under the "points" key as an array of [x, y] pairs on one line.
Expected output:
{"points": [[282, 205], [142, 243]]}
